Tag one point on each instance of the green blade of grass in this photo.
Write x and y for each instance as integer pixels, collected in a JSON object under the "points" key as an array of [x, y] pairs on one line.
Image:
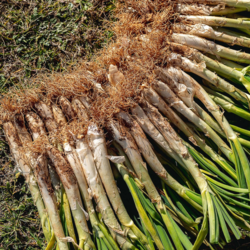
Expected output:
{"points": [[212, 219], [234, 189], [194, 196], [162, 234], [204, 227], [187, 220], [182, 205], [158, 221], [183, 237], [144, 217], [206, 165], [229, 221], [223, 225], [222, 191], [150, 240]]}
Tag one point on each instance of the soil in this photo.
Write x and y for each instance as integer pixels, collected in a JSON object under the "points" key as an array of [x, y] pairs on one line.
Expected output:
{"points": [[62, 164]]}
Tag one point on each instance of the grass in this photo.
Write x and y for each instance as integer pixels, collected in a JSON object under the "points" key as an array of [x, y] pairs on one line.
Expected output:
{"points": [[39, 36], [48, 35]]}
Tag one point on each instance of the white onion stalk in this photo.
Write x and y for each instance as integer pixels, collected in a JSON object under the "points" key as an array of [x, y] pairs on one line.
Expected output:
{"points": [[228, 63], [150, 129], [218, 21], [203, 30], [234, 33], [98, 146], [58, 115], [19, 157], [205, 10], [226, 10], [168, 95], [201, 70], [38, 129], [74, 162], [152, 97], [78, 108], [186, 91], [176, 144], [233, 3], [210, 89], [230, 107], [47, 116], [210, 47], [39, 166], [129, 146], [127, 163], [178, 87], [238, 151], [223, 70], [181, 77], [148, 153], [69, 182], [98, 193]]}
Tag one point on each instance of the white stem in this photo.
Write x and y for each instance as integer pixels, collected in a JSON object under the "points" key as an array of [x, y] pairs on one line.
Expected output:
{"points": [[97, 144], [97, 191], [46, 114], [203, 30], [69, 182], [198, 9], [233, 3], [210, 47], [201, 70], [168, 95], [43, 181], [218, 21]]}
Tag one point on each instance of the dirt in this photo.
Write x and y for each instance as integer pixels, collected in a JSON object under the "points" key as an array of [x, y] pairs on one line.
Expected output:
{"points": [[67, 108], [43, 173], [35, 123], [11, 134], [80, 110], [63, 166]]}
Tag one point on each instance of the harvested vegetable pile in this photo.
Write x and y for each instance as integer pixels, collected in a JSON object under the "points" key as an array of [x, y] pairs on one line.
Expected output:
{"points": [[164, 109]]}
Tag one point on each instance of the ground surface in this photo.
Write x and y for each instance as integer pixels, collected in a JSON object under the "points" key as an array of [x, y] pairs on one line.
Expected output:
{"points": [[39, 36]]}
